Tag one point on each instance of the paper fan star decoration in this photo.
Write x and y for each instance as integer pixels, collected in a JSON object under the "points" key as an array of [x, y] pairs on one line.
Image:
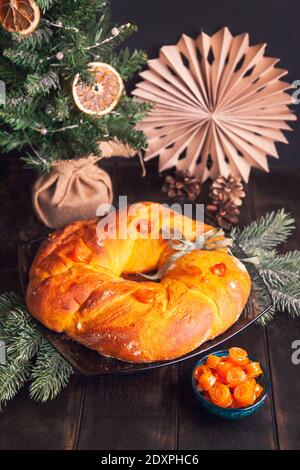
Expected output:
{"points": [[220, 105]]}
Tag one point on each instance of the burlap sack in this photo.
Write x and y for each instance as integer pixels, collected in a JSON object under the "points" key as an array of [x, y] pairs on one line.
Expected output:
{"points": [[71, 191], [112, 148]]}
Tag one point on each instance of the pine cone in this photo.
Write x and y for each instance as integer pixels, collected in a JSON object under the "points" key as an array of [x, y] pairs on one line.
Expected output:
{"points": [[182, 186], [226, 195], [231, 187], [227, 215]]}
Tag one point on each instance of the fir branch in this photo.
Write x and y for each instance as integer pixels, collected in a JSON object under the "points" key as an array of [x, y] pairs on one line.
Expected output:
{"points": [[7, 301], [287, 298], [18, 329], [265, 233], [19, 101], [82, 12], [280, 272], [37, 39], [45, 5], [10, 73], [13, 376], [22, 112], [26, 59], [277, 270], [267, 317], [50, 374], [62, 107], [16, 371], [24, 339], [23, 342], [9, 142], [37, 84], [127, 62], [36, 161]]}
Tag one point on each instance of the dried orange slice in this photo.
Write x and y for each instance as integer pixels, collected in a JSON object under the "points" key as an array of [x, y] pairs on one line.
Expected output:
{"points": [[104, 95], [19, 16]]}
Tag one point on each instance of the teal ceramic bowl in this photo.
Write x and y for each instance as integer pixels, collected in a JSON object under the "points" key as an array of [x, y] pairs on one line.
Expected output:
{"points": [[231, 413]]}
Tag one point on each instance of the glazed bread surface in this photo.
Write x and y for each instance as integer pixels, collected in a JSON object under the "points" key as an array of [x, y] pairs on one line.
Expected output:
{"points": [[80, 285]]}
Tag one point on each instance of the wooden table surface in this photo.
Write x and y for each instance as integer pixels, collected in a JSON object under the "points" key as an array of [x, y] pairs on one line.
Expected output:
{"points": [[155, 409]]}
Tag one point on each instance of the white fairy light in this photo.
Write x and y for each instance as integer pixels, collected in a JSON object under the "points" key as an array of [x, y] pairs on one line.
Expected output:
{"points": [[45, 131], [110, 38], [59, 24]]}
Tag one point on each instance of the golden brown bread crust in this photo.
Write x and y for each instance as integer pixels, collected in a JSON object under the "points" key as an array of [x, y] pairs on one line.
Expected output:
{"points": [[76, 286]]}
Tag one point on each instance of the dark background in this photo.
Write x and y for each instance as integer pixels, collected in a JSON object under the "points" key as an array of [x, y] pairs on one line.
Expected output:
{"points": [[276, 22]]}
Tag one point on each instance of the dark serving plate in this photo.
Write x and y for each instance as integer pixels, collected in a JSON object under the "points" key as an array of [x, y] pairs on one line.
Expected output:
{"points": [[89, 362]]}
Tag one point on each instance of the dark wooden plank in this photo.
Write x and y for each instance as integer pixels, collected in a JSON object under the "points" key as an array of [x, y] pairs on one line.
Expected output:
{"points": [[9, 281], [131, 183], [282, 189], [137, 411], [201, 430], [17, 218], [27, 425]]}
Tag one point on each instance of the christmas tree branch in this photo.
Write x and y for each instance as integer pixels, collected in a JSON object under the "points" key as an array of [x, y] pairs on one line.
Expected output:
{"points": [[287, 299], [40, 68], [280, 273], [277, 270], [265, 233], [128, 62], [29, 356], [13, 376], [45, 4], [50, 374]]}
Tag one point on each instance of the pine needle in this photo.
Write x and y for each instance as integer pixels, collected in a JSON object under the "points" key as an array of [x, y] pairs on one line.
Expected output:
{"points": [[13, 376], [50, 374], [37, 84], [265, 233], [23, 342], [287, 299], [45, 4], [7, 301], [278, 270], [35, 40], [267, 317], [281, 273]]}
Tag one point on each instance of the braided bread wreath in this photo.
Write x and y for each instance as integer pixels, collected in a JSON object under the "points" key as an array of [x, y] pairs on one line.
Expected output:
{"points": [[80, 285]]}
